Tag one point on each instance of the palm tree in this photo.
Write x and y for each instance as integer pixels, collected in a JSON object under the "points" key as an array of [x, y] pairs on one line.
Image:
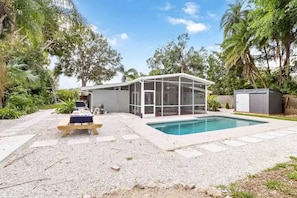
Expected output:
{"points": [[34, 21], [236, 49], [129, 74], [233, 15]]}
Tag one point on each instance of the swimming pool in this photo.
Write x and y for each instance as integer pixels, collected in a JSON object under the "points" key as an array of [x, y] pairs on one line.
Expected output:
{"points": [[202, 124]]}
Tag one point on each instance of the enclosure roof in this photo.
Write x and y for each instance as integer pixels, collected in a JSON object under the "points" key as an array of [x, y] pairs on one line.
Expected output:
{"points": [[188, 76], [104, 86]]}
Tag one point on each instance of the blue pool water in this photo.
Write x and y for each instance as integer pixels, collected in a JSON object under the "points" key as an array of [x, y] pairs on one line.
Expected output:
{"points": [[202, 124]]}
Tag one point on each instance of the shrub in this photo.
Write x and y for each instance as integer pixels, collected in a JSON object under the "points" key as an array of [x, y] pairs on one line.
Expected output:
{"points": [[227, 106], [212, 103], [9, 113], [66, 106], [68, 94], [23, 103]]}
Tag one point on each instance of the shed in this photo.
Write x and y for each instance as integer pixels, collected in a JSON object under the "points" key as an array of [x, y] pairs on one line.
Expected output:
{"points": [[264, 101]]}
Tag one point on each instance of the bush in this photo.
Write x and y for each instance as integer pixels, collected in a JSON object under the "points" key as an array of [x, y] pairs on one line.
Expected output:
{"points": [[9, 113], [227, 106], [212, 103], [68, 94], [22, 102], [66, 106]]}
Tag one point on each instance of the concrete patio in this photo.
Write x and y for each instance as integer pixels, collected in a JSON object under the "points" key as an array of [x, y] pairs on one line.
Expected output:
{"points": [[46, 165]]}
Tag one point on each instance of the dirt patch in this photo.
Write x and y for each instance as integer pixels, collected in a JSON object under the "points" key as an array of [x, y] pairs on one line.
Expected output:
{"points": [[175, 191], [278, 181]]}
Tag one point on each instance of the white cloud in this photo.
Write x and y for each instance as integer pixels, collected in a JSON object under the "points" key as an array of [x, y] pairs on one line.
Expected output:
{"points": [[167, 7], [94, 28], [212, 15], [191, 8], [124, 36], [114, 41], [191, 26]]}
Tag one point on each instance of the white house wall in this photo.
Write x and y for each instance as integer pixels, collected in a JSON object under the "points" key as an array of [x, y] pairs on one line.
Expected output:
{"points": [[113, 100]]}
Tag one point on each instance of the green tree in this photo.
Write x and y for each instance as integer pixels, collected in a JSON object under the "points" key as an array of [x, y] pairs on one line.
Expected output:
{"points": [[233, 15], [92, 60], [129, 74], [35, 24], [275, 21], [175, 57], [238, 41]]}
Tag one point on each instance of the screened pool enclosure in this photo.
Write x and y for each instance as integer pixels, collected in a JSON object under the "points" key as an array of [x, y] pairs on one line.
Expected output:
{"points": [[151, 96]]}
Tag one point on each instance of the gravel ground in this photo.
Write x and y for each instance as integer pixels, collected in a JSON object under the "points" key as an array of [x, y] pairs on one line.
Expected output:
{"points": [[72, 170]]}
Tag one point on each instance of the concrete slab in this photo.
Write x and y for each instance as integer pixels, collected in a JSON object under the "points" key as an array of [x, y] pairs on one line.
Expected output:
{"points": [[44, 143], [276, 133], [9, 144], [8, 134], [13, 130], [212, 148], [233, 143], [288, 131], [250, 139], [130, 137], [188, 152], [78, 141], [105, 139], [263, 136]]}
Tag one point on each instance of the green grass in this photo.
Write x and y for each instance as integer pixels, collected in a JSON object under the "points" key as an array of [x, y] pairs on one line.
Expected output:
{"points": [[292, 175], [277, 185], [268, 116], [242, 194], [293, 158], [250, 176], [276, 167], [51, 106], [235, 193]]}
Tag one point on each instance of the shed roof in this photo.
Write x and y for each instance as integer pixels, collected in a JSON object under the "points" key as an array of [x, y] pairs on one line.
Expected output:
{"points": [[188, 76]]}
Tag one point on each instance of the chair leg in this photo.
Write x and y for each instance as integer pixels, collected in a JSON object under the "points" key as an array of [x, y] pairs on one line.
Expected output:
{"points": [[95, 132], [66, 132]]}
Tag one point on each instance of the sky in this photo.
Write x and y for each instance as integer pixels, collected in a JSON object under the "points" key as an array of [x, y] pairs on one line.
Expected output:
{"points": [[136, 28]]}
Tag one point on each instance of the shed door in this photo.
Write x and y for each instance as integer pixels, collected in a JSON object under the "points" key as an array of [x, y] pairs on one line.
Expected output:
{"points": [[243, 102]]}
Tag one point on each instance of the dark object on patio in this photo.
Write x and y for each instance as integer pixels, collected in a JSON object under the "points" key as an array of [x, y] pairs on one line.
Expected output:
{"points": [[79, 104], [81, 118], [101, 108]]}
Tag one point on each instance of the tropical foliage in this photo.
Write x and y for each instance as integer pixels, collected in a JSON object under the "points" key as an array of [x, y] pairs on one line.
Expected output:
{"points": [[257, 34], [33, 31]]}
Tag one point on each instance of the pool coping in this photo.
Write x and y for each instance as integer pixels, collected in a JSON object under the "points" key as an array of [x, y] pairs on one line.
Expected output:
{"points": [[172, 142]]}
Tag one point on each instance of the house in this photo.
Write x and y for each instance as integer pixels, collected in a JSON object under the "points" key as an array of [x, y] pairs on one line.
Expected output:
{"points": [[152, 96]]}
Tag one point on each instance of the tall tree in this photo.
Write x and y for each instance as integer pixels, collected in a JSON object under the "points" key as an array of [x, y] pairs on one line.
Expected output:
{"points": [[93, 60], [37, 25], [175, 57], [233, 15], [238, 42], [129, 74], [275, 20]]}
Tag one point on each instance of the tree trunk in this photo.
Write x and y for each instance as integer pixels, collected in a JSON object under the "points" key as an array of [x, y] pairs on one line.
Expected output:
{"points": [[54, 90], [280, 64], [3, 78], [267, 61], [288, 54], [254, 68], [84, 82]]}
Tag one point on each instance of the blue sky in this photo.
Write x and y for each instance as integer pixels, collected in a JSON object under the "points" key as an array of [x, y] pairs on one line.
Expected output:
{"points": [[136, 28]]}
